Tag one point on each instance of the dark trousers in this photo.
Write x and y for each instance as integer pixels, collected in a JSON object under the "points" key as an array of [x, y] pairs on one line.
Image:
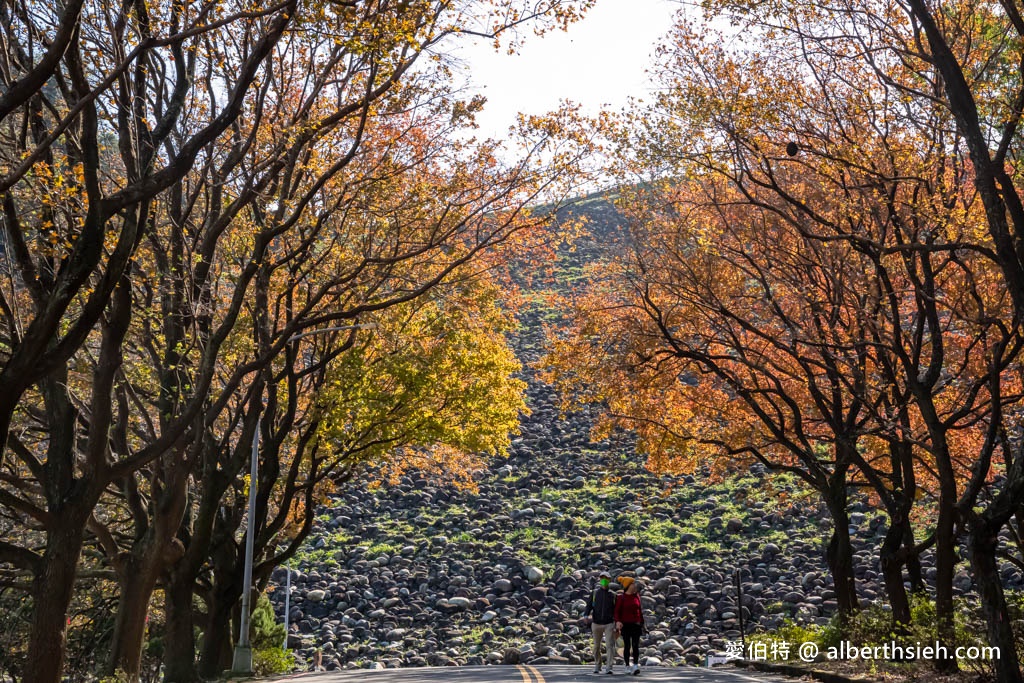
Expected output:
{"points": [[631, 641]]}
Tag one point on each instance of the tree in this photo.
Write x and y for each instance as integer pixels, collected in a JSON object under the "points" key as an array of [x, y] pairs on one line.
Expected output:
{"points": [[730, 343]]}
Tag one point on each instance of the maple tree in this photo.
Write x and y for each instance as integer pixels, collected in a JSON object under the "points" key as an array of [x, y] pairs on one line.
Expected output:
{"points": [[727, 342]]}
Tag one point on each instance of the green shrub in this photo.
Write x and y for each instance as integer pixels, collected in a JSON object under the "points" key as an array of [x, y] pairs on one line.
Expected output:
{"points": [[1015, 603], [874, 627], [830, 635], [267, 632], [825, 637], [791, 633], [272, 660], [268, 657], [871, 626]]}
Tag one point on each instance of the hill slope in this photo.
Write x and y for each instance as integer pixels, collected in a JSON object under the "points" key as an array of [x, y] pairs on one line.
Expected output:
{"points": [[423, 575]]}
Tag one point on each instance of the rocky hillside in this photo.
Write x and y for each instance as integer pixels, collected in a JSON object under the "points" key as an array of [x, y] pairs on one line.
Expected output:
{"points": [[423, 575]]}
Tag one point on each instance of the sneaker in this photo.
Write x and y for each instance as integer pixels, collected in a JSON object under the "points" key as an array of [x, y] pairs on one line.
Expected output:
{"points": [[597, 669], [636, 669], [608, 670]]}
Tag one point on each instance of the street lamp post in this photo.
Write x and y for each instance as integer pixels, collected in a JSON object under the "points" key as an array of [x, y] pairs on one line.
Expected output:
{"points": [[242, 661], [287, 601], [739, 608]]}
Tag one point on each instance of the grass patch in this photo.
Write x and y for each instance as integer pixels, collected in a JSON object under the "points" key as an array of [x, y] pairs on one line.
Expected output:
{"points": [[321, 556], [340, 538], [591, 493], [660, 532], [381, 549]]}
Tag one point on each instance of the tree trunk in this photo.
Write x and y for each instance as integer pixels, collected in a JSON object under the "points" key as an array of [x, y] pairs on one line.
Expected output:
{"points": [[913, 561], [51, 598], [945, 534], [218, 639], [195, 535], [892, 571], [945, 566], [179, 633], [840, 552], [906, 482], [136, 585], [1020, 530], [151, 556], [982, 552]]}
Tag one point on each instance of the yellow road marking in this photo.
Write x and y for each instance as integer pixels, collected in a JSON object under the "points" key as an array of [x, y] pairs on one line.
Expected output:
{"points": [[526, 671]]}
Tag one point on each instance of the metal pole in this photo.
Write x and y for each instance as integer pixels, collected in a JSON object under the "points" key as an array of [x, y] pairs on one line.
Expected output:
{"points": [[287, 600], [243, 651], [739, 610]]}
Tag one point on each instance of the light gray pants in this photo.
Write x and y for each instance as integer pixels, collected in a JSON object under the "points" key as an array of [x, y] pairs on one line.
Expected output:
{"points": [[607, 633]]}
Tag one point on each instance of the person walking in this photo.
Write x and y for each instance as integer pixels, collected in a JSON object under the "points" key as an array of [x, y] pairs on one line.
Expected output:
{"points": [[629, 619], [600, 612]]}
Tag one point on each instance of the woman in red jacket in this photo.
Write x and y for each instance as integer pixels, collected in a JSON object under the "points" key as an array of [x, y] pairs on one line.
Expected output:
{"points": [[629, 619]]}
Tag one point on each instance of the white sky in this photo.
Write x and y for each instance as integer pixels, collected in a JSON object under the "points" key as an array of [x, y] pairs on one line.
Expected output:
{"points": [[599, 62]]}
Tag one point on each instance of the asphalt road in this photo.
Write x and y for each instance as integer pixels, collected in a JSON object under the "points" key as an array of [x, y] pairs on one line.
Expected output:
{"points": [[533, 674]]}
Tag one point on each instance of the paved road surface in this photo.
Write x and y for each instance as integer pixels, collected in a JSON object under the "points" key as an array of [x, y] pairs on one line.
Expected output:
{"points": [[533, 674]]}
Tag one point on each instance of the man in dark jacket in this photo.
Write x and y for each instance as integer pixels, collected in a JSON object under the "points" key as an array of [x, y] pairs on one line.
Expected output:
{"points": [[601, 614]]}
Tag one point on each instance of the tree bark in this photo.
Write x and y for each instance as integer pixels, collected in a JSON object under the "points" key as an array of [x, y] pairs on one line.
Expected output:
{"points": [[218, 638], [945, 566], [136, 584], [51, 595], [840, 552], [892, 571], [196, 535], [151, 556], [179, 637], [982, 546], [913, 561], [179, 633], [945, 528]]}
